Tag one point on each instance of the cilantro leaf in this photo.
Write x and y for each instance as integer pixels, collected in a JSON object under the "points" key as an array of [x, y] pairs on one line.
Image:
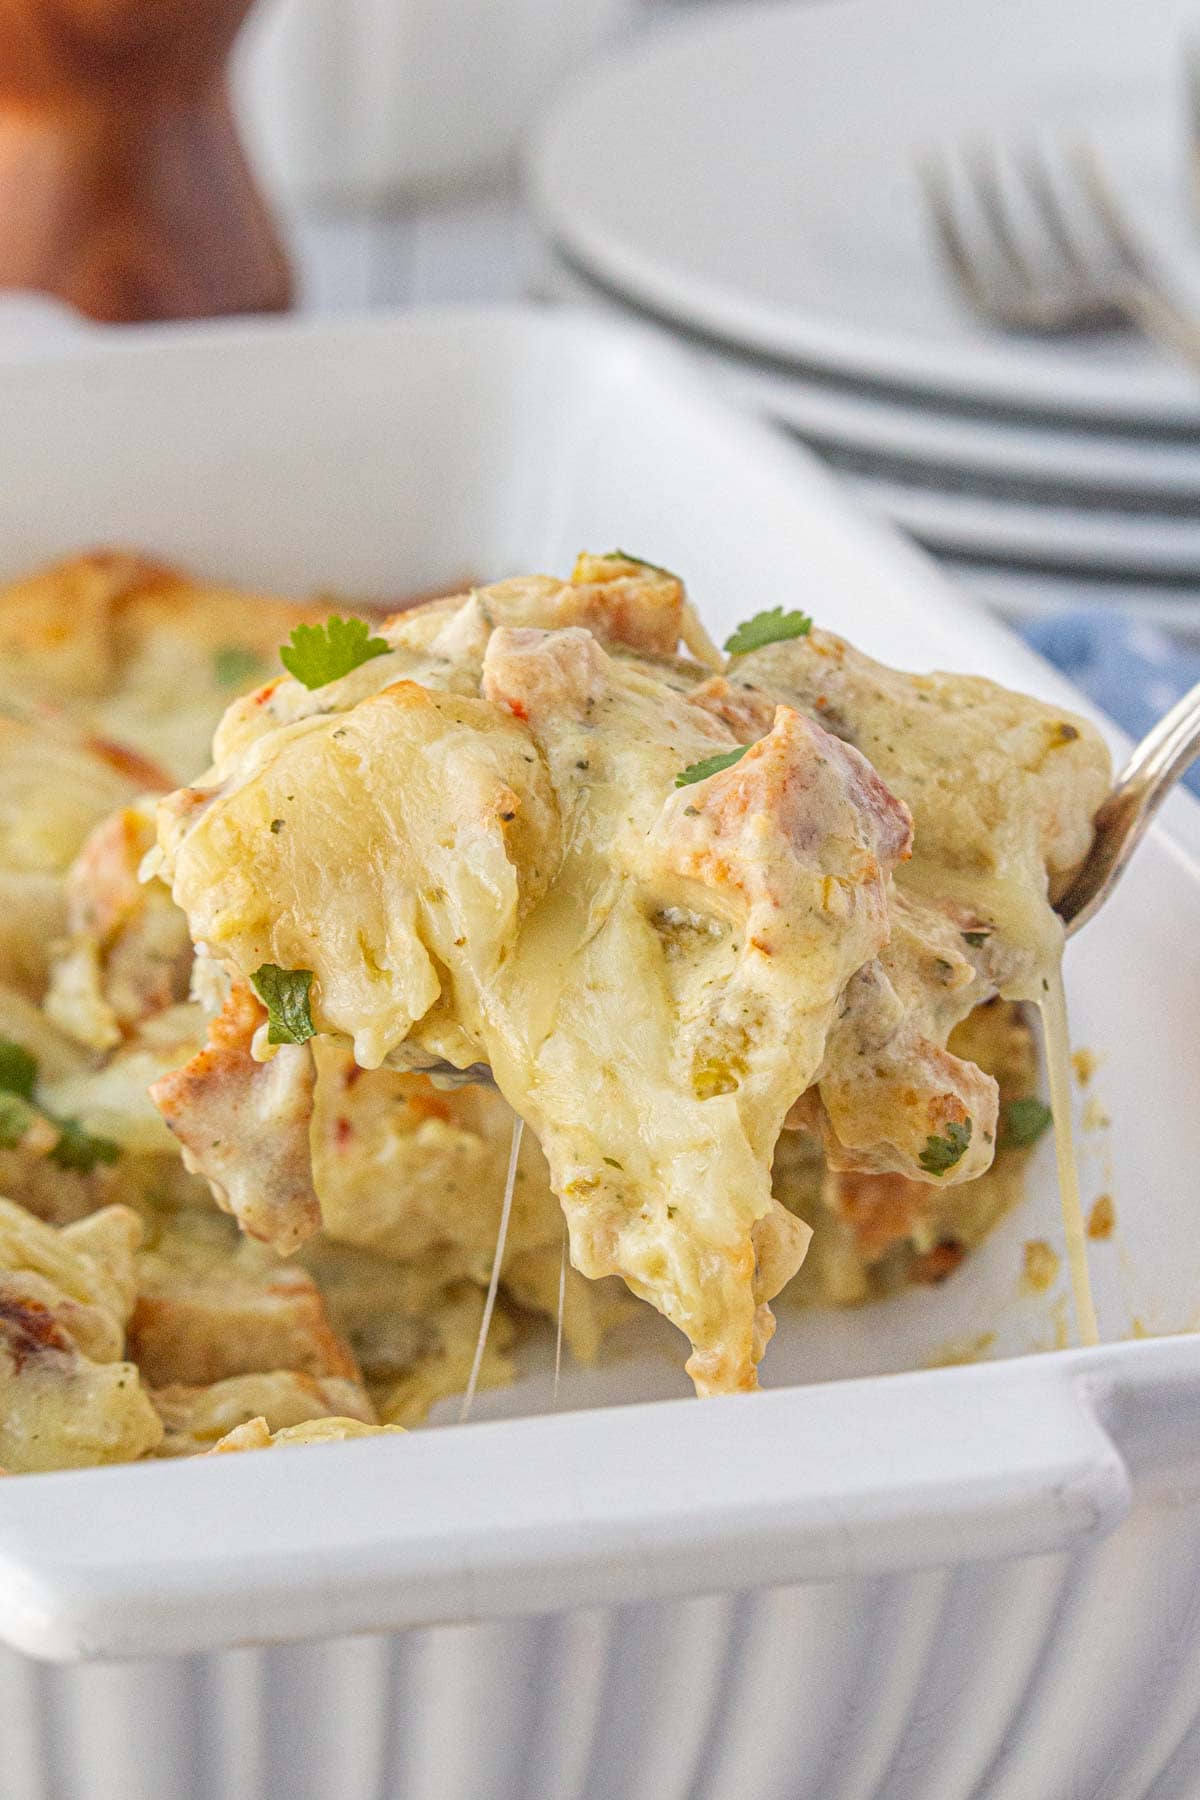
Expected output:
{"points": [[942, 1153], [1024, 1122], [319, 654], [16, 1116], [712, 765], [284, 993], [77, 1149], [773, 627], [18, 1070], [234, 664]]}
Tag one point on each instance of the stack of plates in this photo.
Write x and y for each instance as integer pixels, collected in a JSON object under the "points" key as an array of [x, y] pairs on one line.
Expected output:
{"points": [[745, 183]]}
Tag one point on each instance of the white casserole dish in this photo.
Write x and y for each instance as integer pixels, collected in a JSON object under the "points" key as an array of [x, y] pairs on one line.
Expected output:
{"points": [[394, 456]]}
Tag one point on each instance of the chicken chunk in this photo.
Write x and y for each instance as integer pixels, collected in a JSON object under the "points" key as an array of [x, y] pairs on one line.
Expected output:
{"points": [[891, 1098], [128, 954], [209, 1308], [1002, 788], [917, 1230], [244, 1125]]}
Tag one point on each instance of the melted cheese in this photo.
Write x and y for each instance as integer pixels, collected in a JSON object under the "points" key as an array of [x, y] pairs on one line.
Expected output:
{"points": [[475, 844], [513, 878]]}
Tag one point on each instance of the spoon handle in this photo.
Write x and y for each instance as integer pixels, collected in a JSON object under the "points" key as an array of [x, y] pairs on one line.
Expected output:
{"points": [[1163, 755]]}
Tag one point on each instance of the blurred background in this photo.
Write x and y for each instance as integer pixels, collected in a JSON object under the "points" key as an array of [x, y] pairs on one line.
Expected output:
{"points": [[951, 245]]}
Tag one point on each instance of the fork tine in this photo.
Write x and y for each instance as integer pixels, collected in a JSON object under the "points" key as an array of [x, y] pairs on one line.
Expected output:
{"points": [[936, 178], [986, 169], [1106, 210], [1051, 212]]}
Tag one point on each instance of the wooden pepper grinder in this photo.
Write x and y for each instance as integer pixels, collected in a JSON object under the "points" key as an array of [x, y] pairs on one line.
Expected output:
{"points": [[123, 186]]}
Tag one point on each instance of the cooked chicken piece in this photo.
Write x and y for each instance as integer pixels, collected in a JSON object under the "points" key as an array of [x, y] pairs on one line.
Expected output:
{"points": [[128, 954], [628, 606], [243, 1125], [875, 1232], [256, 1434], [67, 1400], [194, 1418], [1002, 788], [209, 1308], [489, 879], [888, 1089]]}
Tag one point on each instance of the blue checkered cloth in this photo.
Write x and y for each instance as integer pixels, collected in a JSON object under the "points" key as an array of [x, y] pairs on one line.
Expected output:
{"points": [[1133, 670]]}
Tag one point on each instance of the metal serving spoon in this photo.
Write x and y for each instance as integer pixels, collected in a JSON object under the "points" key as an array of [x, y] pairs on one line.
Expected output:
{"points": [[1164, 754]]}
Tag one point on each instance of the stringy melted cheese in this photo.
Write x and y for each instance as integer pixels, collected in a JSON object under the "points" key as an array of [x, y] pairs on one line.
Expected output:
{"points": [[476, 845]]}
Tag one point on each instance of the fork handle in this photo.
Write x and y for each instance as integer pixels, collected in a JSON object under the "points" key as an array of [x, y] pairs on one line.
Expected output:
{"points": [[1164, 754]]}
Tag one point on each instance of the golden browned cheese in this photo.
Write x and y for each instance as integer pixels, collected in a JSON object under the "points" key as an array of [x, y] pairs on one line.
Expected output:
{"points": [[113, 672], [256, 1434], [136, 658], [196, 1418], [67, 1396]]}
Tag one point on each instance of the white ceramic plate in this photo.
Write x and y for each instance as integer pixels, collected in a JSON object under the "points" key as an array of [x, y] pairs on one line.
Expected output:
{"points": [[1022, 594], [1058, 536], [751, 174], [1005, 513], [384, 457], [1042, 457]]}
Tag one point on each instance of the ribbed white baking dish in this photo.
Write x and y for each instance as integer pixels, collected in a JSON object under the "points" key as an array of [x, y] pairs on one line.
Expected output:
{"points": [[940, 1583]]}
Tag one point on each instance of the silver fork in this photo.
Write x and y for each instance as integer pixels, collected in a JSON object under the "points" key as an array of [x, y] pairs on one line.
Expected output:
{"points": [[1048, 251]]}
